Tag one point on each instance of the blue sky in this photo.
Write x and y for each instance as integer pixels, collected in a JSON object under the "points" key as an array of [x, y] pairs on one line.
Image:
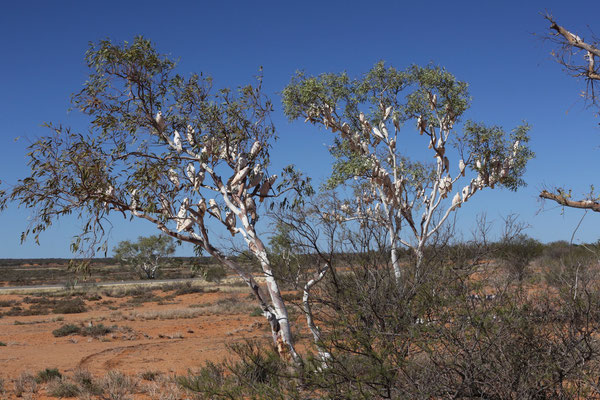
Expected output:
{"points": [[495, 46]]}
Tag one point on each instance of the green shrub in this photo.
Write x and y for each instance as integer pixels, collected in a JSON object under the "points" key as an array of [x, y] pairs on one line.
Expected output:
{"points": [[69, 306], [47, 375], [96, 330], [188, 288], [66, 330], [150, 375], [257, 312], [86, 383]]}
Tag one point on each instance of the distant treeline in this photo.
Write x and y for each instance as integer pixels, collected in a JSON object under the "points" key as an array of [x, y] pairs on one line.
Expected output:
{"points": [[12, 262]]}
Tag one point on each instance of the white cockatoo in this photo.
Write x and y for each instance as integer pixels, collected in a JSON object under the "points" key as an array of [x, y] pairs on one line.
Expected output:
{"points": [[387, 112], [199, 179], [165, 206], [456, 201], [202, 207], [177, 142], [255, 149], [190, 132], [251, 208], [420, 125], [461, 167], [266, 186], [465, 193], [190, 171], [377, 133], [433, 101], [230, 221], [213, 209], [183, 221], [160, 121], [173, 177], [134, 201], [240, 176], [241, 162], [257, 176]]}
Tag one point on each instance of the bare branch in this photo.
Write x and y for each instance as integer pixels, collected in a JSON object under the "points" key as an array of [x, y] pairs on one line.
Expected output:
{"points": [[563, 200]]}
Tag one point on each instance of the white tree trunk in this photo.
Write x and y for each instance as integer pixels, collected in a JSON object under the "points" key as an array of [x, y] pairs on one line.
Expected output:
{"points": [[284, 340]]}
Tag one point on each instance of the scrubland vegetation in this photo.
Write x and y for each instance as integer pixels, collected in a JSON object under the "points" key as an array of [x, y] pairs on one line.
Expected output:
{"points": [[365, 289]]}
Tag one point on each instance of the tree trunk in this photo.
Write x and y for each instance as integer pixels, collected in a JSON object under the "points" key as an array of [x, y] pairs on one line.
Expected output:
{"points": [[284, 340], [395, 261]]}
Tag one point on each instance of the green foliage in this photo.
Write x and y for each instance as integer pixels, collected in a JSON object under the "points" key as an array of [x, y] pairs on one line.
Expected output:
{"points": [[66, 330], [491, 145], [259, 374], [146, 255], [90, 330], [47, 375], [122, 162], [210, 272], [517, 252]]}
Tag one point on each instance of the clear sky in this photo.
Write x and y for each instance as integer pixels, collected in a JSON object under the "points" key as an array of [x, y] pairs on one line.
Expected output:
{"points": [[495, 46]]}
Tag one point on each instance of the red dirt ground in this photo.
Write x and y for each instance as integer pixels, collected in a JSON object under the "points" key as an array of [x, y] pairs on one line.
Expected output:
{"points": [[171, 346]]}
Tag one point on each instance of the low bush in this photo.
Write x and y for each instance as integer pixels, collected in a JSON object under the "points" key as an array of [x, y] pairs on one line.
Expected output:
{"points": [[96, 330], [84, 379], [188, 288], [25, 383], [66, 330], [150, 375], [69, 306], [63, 388], [118, 386], [47, 375]]}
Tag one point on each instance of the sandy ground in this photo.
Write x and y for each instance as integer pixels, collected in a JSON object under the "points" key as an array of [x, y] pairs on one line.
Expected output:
{"points": [[171, 338]]}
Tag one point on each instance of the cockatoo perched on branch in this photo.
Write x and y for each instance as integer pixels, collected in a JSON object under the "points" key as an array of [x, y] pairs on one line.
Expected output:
{"points": [[213, 209], [183, 222], [456, 201], [230, 221], [177, 142], [461, 167], [387, 112], [377, 133], [190, 132], [160, 121], [256, 146], [190, 171], [465, 193], [202, 207], [257, 176], [240, 176], [173, 177], [421, 124], [251, 208], [266, 186]]}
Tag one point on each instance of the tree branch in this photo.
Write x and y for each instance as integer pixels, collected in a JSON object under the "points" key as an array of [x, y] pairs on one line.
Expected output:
{"points": [[563, 200]]}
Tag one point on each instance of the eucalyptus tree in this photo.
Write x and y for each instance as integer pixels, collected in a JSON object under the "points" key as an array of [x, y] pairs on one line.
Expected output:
{"points": [[581, 59], [167, 149], [372, 117], [146, 255]]}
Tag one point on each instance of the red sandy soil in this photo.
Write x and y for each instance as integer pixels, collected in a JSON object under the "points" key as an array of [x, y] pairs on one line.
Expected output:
{"points": [[171, 346]]}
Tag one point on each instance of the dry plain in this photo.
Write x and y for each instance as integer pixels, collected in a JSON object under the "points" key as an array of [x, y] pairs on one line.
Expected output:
{"points": [[148, 333]]}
